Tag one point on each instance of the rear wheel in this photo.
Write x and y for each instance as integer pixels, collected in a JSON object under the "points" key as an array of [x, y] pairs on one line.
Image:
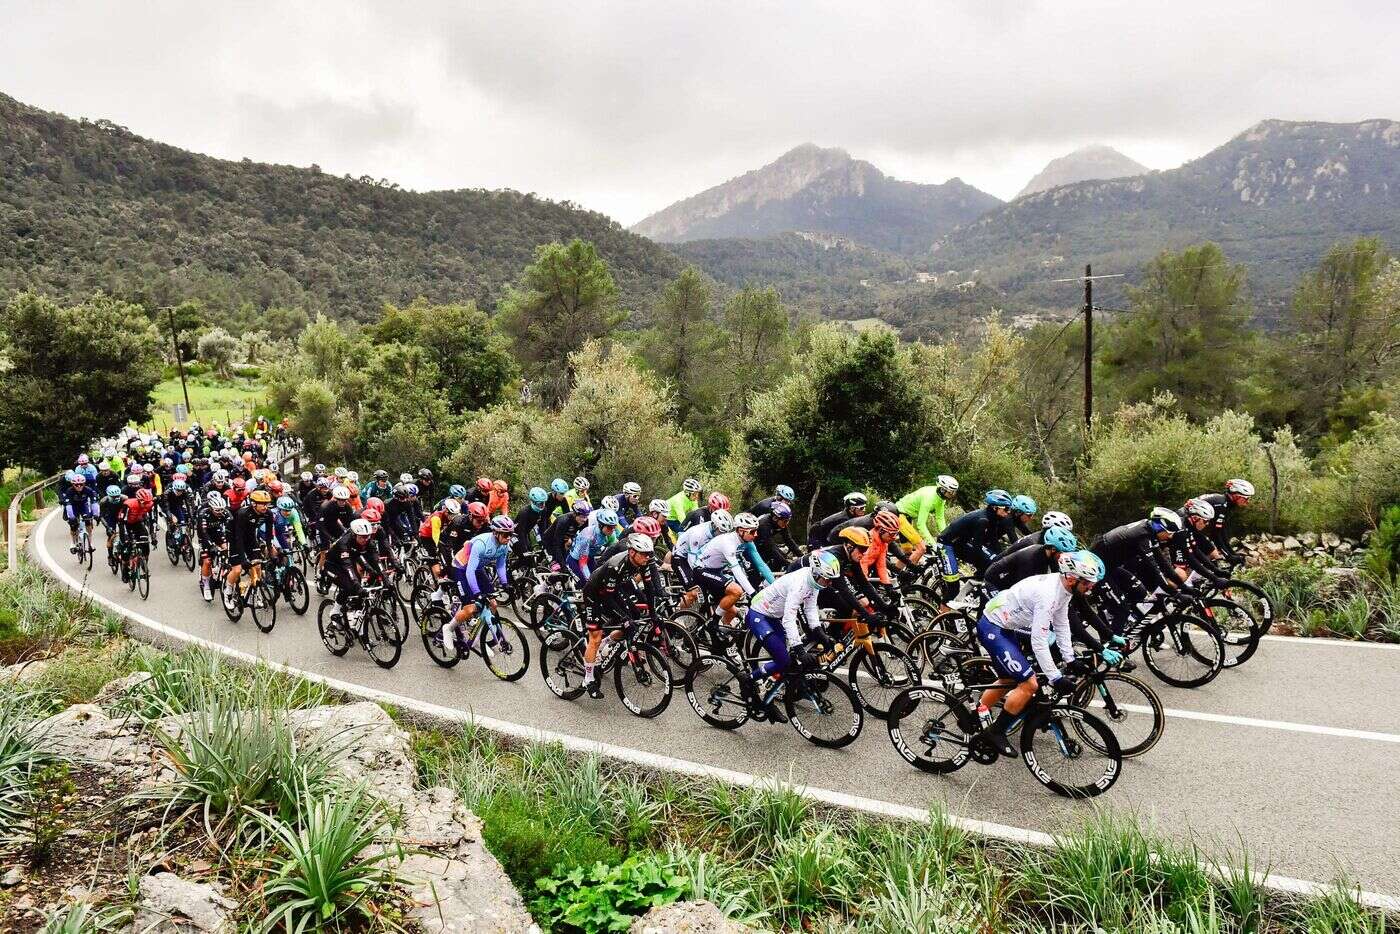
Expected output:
{"points": [[1238, 630], [877, 677], [430, 628], [333, 631], [924, 727], [675, 644]]}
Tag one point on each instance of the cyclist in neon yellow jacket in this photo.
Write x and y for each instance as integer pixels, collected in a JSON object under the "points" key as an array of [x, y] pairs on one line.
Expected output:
{"points": [[682, 504], [929, 501]]}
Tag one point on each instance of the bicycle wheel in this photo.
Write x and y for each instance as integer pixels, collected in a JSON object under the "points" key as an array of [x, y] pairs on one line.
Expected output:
{"points": [[294, 588], [1238, 630], [423, 586], [823, 710], [1184, 651], [262, 601], [713, 691], [553, 619], [505, 649], [430, 628], [332, 628], [403, 616], [935, 655], [643, 680], [381, 637], [924, 726], [675, 644], [130, 574], [561, 663], [877, 678], [1129, 708], [187, 555], [1064, 764], [232, 601], [143, 577], [403, 583], [85, 550], [1255, 602]]}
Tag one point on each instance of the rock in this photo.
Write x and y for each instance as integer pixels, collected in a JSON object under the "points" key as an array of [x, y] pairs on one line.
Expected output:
{"points": [[25, 672], [1272, 550], [687, 918], [12, 878], [369, 746], [1344, 548], [1292, 544], [171, 905], [454, 883], [1309, 539], [85, 733], [114, 691]]}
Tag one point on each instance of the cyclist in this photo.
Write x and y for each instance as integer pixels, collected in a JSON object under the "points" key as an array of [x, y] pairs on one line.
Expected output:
{"points": [[854, 507], [531, 518], [79, 501], [685, 501], [178, 502], [352, 552], [430, 536], [610, 593], [287, 524], [1191, 548], [480, 493], [1012, 567], [379, 486], [107, 509], [685, 557], [498, 502], [1023, 508], [852, 594], [558, 499], [972, 537], [659, 509], [425, 485], [558, 538], [1137, 563], [578, 491], [1237, 495], [773, 619], [1051, 520], [402, 514], [590, 543], [470, 572], [1024, 615], [645, 525], [133, 525], [782, 493], [929, 501], [720, 568], [629, 503], [884, 544], [716, 500], [336, 515], [774, 541], [252, 524]]}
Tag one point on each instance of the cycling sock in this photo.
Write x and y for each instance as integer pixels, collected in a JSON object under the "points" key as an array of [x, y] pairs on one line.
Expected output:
{"points": [[588, 672], [1003, 721]]}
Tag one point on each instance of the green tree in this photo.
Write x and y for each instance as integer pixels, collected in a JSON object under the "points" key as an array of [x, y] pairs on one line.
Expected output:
{"points": [[404, 415], [1185, 333], [314, 421], [474, 363], [682, 330], [757, 347], [326, 348], [221, 350], [71, 375], [190, 325], [565, 298]]}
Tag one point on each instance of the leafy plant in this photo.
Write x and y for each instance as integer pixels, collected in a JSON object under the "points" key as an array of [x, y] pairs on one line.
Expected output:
{"points": [[51, 794], [82, 918], [607, 898], [532, 846], [1382, 558], [21, 761]]}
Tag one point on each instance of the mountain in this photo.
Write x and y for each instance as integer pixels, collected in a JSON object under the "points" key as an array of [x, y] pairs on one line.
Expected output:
{"points": [[91, 205], [1083, 165], [1275, 198], [826, 191]]}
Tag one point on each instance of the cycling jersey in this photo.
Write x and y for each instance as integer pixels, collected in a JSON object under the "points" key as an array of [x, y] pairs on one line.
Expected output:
{"points": [[1033, 608], [556, 538], [693, 541], [696, 516], [919, 506], [1012, 567], [1133, 547], [609, 585], [1025, 541], [722, 553], [678, 507], [764, 506], [820, 531], [1216, 531], [482, 552], [785, 598], [774, 542]]}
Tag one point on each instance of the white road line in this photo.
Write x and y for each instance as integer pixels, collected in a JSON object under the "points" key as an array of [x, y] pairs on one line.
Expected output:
{"points": [[1333, 643], [1264, 724], [637, 756]]}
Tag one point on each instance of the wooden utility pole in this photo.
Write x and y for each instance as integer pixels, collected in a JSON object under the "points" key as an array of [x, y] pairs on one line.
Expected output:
{"points": [[179, 362], [1088, 348]]}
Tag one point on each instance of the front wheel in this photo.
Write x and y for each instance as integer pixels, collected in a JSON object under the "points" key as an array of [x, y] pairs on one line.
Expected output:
{"points": [[643, 680], [505, 649], [381, 637], [561, 663], [823, 710], [143, 578], [1062, 762], [879, 675], [294, 588], [430, 627], [1129, 708], [1184, 651], [334, 632], [262, 601]]}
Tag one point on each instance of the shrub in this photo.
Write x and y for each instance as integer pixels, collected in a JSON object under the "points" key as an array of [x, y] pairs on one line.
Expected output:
{"points": [[532, 845], [607, 898], [1382, 559]]}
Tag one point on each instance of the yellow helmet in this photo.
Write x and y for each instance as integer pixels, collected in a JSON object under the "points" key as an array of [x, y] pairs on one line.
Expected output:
{"points": [[855, 535]]}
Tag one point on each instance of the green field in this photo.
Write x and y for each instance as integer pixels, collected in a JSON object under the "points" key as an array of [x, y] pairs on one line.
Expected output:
{"points": [[213, 400]]}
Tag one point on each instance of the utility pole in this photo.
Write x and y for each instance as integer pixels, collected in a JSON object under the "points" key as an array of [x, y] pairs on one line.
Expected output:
{"points": [[1088, 349], [179, 363]]}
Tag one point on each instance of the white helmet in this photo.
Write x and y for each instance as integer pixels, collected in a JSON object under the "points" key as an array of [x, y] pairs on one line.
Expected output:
{"points": [[1084, 565], [361, 527], [691, 485], [581, 484], [451, 506], [610, 502], [1165, 520], [405, 477], [352, 476], [639, 542], [341, 493], [1056, 520], [947, 484], [1239, 487], [632, 489], [721, 521], [1199, 508], [658, 505], [745, 520], [341, 473], [215, 502]]}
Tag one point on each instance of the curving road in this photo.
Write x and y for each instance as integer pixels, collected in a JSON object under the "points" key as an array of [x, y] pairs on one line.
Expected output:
{"points": [[1295, 754]]}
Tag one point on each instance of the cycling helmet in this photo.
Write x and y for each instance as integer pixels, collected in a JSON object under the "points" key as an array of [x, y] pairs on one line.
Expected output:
{"points": [[261, 497], [115, 490], [241, 484], [1199, 508], [352, 477], [413, 489], [362, 527], [214, 501], [538, 496], [477, 510], [631, 488], [607, 516], [659, 505], [220, 475], [782, 511], [998, 498], [424, 473], [641, 542], [1056, 520], [1061, 539], [1163, 519], [1024, 505], [885, 505], [783, 491], [374, 502], [503, 525], [499, 486], [855, 498], [483, 484], [581, 484], [133, 479], [559, 486], [1082, 565], [1239, 487], [179, 486], [886, 522], [286, 503], [371, 515], [457, 491], [610, 502], [451, 506], [746, 520], [381, 476], [647, 526], [721, 521], [855, 535], [824, 566], [691, 485], [717, 500], [400, 490], [341, 494], [166, 462], [306, 476], [82, 459], [148, 468], [405, 477], [76, 478], [582, 507], [946, 485], [144, 497], [341, 473]]}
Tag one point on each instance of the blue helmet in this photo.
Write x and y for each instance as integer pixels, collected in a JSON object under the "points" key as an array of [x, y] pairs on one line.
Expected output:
{"points": [[784, 491], [582, 507], [558, 485], [1084, 565], [607, 517], [1024, 504], [782, 511], [1061, 539], [413, 489], [538, 495], [457, 491], [114, 490], [998, 498]]}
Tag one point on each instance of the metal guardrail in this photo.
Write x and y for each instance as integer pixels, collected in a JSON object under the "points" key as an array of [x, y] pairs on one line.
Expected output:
{"points": [[12, 519]]}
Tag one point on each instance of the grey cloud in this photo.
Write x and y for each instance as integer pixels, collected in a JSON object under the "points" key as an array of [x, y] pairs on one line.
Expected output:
{"points": [[347, 127]]}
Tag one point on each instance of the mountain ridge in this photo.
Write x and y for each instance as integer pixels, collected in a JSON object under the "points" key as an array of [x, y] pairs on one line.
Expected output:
{"points": [[1088, 163]]}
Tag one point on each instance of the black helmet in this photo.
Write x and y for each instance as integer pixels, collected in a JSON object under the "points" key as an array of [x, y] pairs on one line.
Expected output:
{"points": [[381, 475], [425, 474]]}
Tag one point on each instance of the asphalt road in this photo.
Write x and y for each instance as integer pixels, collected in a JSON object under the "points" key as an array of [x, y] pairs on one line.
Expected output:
{"points": [[1293, 755]]}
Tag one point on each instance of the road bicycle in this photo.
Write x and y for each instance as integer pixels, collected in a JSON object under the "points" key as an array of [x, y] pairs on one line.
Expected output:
{"points": [[259, 597], [83, 548], [497, 640], [179, 546], [290, 583], [641, 675], [376, 630], [137, 569]]}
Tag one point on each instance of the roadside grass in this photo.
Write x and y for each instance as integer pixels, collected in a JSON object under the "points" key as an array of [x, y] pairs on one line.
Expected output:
{"points": [[212, 400]]}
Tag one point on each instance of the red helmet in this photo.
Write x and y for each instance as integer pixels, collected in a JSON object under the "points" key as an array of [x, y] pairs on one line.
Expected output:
{"points": [[371, 514], [483, 484], [718, 501], [647, 526], [144, 497], [240, 484], [374, 502], [276, 486], [477, 510], [886, 522], [500, 486]]}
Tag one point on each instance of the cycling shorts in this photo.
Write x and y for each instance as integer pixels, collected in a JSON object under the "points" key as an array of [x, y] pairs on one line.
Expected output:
{"points": [[714, 581], [681, 567], [459, 577], [1004, 651]]}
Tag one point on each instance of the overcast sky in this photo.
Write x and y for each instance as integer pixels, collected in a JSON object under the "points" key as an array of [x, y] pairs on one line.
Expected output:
{"points": [[627, 106]]}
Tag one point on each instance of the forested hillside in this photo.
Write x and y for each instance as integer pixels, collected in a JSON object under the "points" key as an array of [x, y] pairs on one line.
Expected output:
{"points": [[90, 205]]}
